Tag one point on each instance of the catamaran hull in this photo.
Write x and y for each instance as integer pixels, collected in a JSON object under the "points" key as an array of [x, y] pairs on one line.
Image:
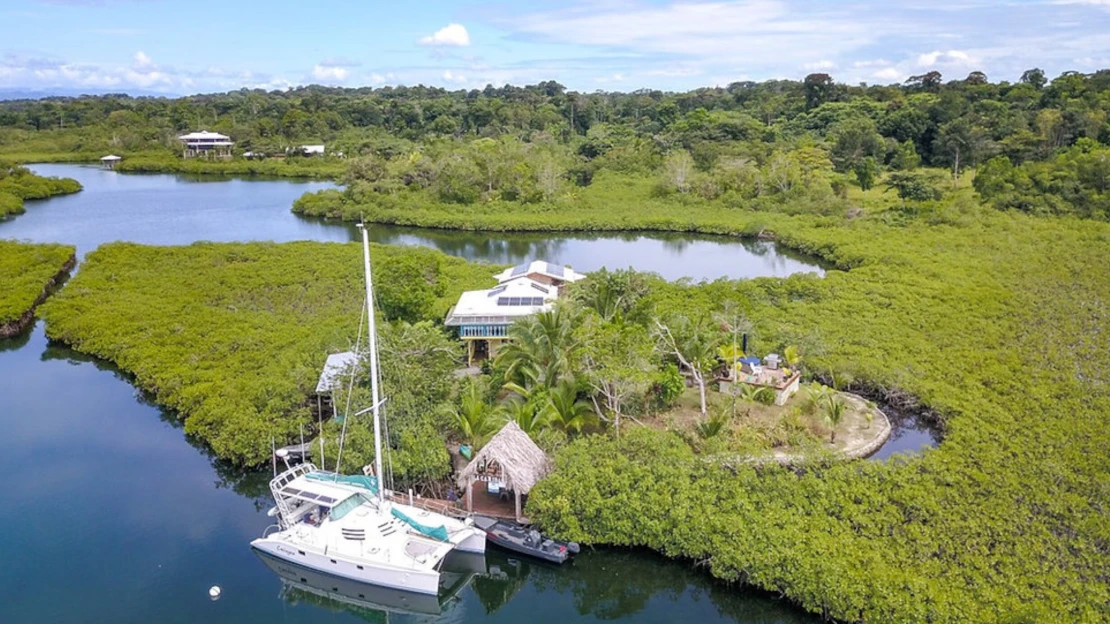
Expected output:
{"points": [[474, 543], [419, 581]]}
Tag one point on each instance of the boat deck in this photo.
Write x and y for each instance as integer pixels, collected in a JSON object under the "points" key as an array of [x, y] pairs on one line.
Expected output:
{"points": [[484, 505]]}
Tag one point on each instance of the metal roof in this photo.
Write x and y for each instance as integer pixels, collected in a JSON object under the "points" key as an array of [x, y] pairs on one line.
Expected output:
{"points": [[502, 304], [542, 267], [204, 134], [337, 365]]}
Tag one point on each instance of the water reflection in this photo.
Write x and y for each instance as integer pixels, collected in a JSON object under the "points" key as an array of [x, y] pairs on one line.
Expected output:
{"points": [[369, 602], [163, 209]]}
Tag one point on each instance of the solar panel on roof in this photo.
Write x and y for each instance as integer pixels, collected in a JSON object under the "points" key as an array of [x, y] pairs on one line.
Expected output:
{"points": [[542, 289], [497, 291], [519, 270], [557, 270]]}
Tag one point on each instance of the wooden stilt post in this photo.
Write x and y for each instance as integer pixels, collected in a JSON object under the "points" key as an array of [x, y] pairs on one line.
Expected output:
{"points": [[517, 493], [470, 495]]}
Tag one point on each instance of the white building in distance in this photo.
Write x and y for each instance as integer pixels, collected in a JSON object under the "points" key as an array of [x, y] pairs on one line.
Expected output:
{"points": [[205, 144]]}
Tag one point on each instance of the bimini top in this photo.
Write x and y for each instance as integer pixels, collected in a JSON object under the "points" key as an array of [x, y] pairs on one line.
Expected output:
{"points": [[503, 304], [555, 272], [316, 491]]}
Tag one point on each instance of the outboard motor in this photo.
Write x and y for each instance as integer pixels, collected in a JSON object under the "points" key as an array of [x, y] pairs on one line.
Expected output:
{"points": [[572, 548]]}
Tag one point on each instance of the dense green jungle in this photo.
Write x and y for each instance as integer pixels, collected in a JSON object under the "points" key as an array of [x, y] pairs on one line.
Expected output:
{"points": [[967, 220]]}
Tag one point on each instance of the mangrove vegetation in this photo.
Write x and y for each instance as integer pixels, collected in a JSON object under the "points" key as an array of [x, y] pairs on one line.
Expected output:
{"points": [[27, 271], [19, 183]]}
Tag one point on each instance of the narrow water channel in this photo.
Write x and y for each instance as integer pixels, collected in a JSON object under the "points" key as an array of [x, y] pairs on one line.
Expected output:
{"points": [[112, 515]]}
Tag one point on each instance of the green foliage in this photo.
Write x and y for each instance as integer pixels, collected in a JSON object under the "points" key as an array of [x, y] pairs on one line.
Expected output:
{"points": [[613, 295], [938, 313], [1076, 182], [541, 350], [417, 416], [474, 415], [912, 187], [832, 409], [10, 204], [25, 269], [567, 410], [272, 167], [233, 336], [671, 384], [19, 183]]}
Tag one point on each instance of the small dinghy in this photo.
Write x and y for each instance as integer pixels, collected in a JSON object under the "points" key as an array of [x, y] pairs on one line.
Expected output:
{"points": [[520, 539]]}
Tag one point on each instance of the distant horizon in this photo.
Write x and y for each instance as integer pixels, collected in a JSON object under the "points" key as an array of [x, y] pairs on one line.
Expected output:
{"points": [[9, 94], [175, 49]]}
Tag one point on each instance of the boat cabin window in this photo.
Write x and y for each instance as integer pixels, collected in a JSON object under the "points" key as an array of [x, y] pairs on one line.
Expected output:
{"points": [[347, 505]]}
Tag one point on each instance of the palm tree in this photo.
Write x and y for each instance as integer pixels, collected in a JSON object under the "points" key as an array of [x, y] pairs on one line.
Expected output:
{"points": [[566, 411], [792, 357], [713, 426], [524, 413], [834, 408], [540, 349], [474, 416]]}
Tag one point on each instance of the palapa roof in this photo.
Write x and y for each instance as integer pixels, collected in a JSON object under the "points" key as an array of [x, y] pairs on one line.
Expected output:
{"points": [[522, 463]]}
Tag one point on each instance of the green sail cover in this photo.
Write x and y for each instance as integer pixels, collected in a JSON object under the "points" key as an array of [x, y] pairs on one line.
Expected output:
{"points": [[439, 532], [367, 483]]}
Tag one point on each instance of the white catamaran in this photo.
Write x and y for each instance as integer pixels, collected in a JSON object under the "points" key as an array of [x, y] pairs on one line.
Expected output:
{"points": [[346, 526]]}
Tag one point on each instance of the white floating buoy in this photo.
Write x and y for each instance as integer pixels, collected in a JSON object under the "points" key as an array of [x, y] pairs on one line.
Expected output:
{"points": [[214, 592]]}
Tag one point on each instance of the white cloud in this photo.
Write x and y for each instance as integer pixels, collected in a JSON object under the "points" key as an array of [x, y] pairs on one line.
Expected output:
{"points": [[719, 32], [142, 60], [1095, 3], [449, 35], [951, 57], [889, 74], [452, 77], [824, 64], [329, 73]]}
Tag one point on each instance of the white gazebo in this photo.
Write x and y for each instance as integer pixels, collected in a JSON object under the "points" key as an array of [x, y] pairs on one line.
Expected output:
{"points": [[206, 144], [110, 161]]}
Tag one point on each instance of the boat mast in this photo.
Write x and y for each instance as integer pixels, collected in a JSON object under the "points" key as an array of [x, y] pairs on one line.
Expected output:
{"points": [[373, 364]]}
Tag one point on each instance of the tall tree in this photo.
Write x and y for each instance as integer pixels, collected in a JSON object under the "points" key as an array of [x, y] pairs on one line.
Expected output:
{"points": [[616, 360], [694, 344], [819, 88]]}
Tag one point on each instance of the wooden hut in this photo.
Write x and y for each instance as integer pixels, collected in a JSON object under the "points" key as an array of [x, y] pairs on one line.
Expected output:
{"points": [[511, 460]]}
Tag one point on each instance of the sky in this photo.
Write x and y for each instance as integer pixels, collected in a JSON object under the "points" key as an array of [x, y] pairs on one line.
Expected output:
{"points": [[202, 46]]}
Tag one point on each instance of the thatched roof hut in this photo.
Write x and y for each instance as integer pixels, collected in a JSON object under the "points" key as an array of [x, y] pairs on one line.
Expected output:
{"points": [[510, 457]]}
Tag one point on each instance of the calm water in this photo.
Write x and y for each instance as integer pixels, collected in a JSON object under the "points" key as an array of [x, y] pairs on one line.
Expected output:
{"points": [[177, 210], [112, 514]]}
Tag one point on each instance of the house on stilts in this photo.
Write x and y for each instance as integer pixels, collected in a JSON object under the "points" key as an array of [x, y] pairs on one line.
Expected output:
{"points": [[483, 317]]}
